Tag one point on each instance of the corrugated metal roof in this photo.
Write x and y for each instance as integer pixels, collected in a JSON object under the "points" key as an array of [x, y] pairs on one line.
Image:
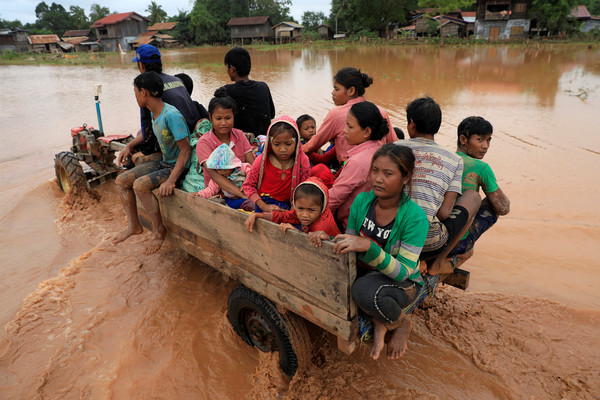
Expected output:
{"points": [[75, 39], [76, 33], [149, 33], [292, 24], [248, 21], [162, 26], [580, 12], [165, 36], [116, 18], [43, 39], [143, 40]]}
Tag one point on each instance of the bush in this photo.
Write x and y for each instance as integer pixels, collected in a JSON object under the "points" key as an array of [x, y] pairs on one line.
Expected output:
{"points": [[9, 55]]}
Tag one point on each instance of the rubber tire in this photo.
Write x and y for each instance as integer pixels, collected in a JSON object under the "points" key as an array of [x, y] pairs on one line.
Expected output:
{"points": [[287, 331], [69, 172]]}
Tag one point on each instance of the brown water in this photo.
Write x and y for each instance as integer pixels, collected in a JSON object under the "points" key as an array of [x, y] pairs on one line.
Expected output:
{"points": [[87, 319]]}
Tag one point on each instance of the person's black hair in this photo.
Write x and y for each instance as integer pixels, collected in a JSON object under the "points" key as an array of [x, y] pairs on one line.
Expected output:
{"points": [[281, 127], [150, 81], [399, 133], [350, 76], [426, 114], [368, 116], [222, 100], [187, 82], [153, 67], [303, 118], [239, 58], [473, 126], [402, 156], [305, 190]]}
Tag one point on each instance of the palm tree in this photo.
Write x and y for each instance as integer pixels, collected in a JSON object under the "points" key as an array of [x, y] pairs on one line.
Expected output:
{"points": [[156, 13], [79, 18]]}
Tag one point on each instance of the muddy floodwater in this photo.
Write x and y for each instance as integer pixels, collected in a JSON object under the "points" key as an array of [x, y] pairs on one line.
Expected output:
{"points": [[85, 319]]}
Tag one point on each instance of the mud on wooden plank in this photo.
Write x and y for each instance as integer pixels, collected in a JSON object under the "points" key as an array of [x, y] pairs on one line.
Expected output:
{"points": [[317, 275]]}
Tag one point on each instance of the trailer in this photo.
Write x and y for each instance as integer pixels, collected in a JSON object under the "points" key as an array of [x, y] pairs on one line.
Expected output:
{"points": [[284, 280]]}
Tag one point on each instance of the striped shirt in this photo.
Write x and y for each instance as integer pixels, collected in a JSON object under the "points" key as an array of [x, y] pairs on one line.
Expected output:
{"points": [[437, 171]]}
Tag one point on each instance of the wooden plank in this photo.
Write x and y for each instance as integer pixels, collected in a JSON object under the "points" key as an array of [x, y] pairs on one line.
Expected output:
{"points": [[281, 295], [317, 275]]}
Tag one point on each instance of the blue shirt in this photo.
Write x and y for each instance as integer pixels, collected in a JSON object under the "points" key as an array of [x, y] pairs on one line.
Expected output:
{"points": [[169, 128]]}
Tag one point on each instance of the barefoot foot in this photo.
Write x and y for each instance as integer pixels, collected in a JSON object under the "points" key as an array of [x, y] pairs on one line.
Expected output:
{"points": [[129, 231], [399, 341], [156, 242], [379, 331]]}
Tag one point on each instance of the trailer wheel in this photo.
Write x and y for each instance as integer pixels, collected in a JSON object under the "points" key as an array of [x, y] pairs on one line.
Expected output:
{"points": [[69, 172], [259, 324]]}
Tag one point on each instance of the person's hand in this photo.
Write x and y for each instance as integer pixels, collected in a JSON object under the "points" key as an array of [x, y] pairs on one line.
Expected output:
{"points": [[136, 156], [316, 237], [347, 243], [423, 267], [248, 205], [271, 208], [249, 224], [166, 189], [123, 155], [285, 226]]}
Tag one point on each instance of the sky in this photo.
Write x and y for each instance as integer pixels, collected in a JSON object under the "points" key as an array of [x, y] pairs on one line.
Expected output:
{"points": [[24, 10]]}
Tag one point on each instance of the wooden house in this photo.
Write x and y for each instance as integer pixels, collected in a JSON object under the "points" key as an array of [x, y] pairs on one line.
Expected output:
{"points": [[154, 38], [14, 40], [469, 18], [503, 19], [325, 32], [586, 22], [78, 33], [163, 27], [76, 42], [286, 32], [44, 43], [450, 26], [123, 28], [250, 28]]}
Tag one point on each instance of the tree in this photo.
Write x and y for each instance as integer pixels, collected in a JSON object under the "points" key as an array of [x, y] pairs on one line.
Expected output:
{"points": [[311, 20], [80, 20], [156, 13], [98, 12], [593, 6], [277, 10], [553, 14], [378, 14], [208, 21], [444, 7], [54, 18], [6, 24]]}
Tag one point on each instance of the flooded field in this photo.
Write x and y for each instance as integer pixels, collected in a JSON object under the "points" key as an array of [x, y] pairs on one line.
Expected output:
{"points": [[87, 319]]}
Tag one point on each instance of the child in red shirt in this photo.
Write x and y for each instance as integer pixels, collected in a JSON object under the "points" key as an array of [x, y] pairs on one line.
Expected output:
{"points": [[310, 213], [279, 169]]}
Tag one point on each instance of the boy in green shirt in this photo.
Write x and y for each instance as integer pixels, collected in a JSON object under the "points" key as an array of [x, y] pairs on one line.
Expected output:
{"points": [[474, 137]]}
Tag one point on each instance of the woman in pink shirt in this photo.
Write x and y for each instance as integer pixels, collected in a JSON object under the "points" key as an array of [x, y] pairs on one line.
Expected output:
{"points": [[349, 86], [365, 129]]}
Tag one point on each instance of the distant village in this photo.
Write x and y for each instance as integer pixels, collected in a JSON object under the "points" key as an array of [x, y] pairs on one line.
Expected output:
{"points": [[493, 20]]}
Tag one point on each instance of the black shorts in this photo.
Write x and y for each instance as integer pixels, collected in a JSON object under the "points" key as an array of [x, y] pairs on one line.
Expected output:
{"points": [[454, 224]]}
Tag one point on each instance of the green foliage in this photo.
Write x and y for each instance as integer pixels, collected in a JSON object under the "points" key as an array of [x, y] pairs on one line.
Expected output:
{"points": [[311, 20], [53, 18], [6, 24], [9, 55], [432, 28], [156, 13], [553, 14], [80, 20], [378, 14], [310, 35], [445, 6], [593, 6], [277, 10], [98, 12]]}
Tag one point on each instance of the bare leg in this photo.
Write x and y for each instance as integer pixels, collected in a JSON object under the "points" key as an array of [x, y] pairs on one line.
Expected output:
{"points": [[379, 331], [159, 232], [127, 196], [399, 341], [471, 201]]}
